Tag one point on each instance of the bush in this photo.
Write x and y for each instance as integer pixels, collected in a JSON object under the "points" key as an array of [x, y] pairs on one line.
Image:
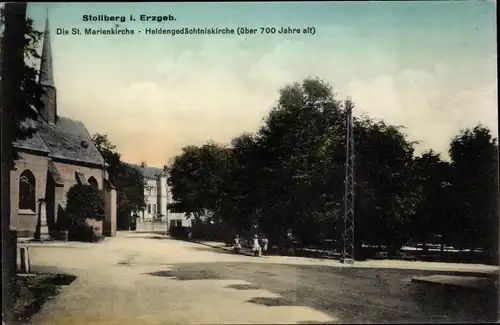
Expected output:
{"points": [[84, 202], [180, 232]]}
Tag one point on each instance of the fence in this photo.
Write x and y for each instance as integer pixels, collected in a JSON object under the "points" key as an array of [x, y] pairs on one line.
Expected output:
{"points": [[157, 226]]}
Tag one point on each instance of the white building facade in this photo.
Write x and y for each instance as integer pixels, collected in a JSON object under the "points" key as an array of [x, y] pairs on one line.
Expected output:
{"points": [[157, 196]]}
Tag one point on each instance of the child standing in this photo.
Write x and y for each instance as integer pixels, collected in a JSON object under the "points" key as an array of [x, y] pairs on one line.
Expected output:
{"points": [[237, 244], [265, 243], [256, 246]]}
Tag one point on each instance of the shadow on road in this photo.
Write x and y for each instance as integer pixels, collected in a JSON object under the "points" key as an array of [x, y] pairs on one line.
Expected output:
{"points": [[212, 250], [243, 287], [272, 302], [199, 274], [354, 295], [33, 291], [150, 237]]}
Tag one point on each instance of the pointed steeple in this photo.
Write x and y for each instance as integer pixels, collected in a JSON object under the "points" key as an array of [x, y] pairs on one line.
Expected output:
{"points": [[49, 98], [46, 71]]}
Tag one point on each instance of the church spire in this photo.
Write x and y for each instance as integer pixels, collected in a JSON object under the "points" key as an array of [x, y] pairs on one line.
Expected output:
{"points": [[46, 80], [46, 72]]}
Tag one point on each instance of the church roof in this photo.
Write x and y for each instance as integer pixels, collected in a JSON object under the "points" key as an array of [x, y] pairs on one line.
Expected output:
{"points": [[150, 172], [33, 143], [66, 139], [69, 139]]}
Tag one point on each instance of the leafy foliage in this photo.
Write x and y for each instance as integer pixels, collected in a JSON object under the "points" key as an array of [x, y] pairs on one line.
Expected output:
{"points": [[290, 174], [128, 181], [197, 179], [85, 202], [28, 102], [474, 155]]}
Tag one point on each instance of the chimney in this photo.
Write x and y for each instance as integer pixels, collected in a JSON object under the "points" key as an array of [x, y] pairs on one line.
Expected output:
{"points": [[143, 164], [165, 168]]}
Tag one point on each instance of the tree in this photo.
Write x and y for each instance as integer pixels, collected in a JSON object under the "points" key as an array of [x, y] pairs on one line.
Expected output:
{"points": [[242, 201], [434, 213], [385, 197], [108, 152], [129, 182], [20, 93], [296, 144], [474, 155], [26, 97], [290, 173], [197, 178]]}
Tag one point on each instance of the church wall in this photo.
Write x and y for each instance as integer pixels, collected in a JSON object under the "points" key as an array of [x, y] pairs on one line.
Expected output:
{"points": [[25, 223], [67, 172]]}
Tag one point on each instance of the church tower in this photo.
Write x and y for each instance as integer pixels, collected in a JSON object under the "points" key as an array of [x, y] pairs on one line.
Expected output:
{"points": [[46, 79]]}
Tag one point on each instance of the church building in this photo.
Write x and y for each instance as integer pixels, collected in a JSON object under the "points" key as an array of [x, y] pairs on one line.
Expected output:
{"points": [[57, 156]]}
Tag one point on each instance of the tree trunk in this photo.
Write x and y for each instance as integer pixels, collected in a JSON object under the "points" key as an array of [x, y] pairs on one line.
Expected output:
{"points": [[12, 64]]}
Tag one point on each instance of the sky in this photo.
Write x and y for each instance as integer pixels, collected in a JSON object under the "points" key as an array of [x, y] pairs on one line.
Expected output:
{"points": [[430, 66]]}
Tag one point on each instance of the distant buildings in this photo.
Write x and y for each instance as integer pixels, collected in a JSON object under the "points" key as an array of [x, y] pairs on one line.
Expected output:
{"points": [[157, 196]]}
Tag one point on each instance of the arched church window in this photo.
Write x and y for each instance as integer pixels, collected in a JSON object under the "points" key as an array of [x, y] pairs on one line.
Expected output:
{"points": [[92, 181], [27, 191], [149, 208]]}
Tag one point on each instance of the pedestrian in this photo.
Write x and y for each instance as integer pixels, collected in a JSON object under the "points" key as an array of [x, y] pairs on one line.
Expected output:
{"points": [[256, 246], [237, 244], [265, 243]]}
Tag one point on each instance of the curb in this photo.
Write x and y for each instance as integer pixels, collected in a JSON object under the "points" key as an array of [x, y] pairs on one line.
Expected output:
{"points": [[222, 248], [476, 283]]}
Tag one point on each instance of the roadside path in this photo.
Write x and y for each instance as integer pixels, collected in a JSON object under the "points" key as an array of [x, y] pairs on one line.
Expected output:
{"points": [[385, 264]]}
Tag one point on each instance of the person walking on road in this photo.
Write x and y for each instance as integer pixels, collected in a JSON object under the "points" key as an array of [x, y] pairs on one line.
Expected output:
{"points": [[256, 246], [265, 243], [237, 244]]}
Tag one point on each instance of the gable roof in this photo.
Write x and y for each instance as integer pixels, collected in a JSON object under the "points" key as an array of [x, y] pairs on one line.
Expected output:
{"points": [[150, 172], [33, 143], [67, 139]]}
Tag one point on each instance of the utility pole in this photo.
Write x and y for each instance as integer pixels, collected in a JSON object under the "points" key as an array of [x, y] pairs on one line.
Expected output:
{"points": [[166, 211], [348, 235]]}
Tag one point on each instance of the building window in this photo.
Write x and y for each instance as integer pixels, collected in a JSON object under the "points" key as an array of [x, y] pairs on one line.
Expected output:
{"points": [[154, 208], [149, 208], [93, 182], [27, 191]]}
